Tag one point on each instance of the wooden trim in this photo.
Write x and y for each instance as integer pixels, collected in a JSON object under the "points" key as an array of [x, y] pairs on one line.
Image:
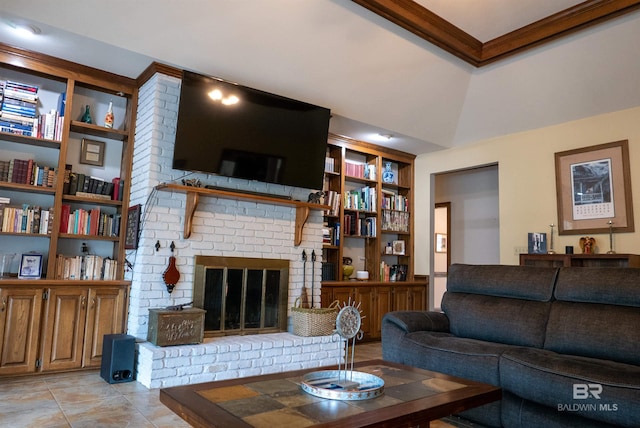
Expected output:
{"points": [[369, 148], [430, 27], [156, 67]]}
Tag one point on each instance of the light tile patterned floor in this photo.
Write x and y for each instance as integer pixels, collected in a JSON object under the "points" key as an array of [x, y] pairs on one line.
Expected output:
{"points": [[84, 399]]}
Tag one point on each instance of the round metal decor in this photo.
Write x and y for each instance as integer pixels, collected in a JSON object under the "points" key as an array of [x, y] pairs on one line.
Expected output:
{"points": [[348, 322]]}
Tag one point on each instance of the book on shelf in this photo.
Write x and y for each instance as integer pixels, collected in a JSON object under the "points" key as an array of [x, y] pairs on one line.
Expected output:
{"points": [[24, 219], [90, 222], [86, 267], [392, 273], [80, 184], [27, 171], [363, 199]]}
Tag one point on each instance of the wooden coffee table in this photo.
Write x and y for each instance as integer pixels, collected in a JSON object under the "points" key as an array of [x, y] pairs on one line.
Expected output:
{"points": [[411, 397]]}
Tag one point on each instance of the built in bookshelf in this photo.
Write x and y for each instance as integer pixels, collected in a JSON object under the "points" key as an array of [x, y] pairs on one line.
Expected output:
{"points": [[369, 190], [64, 195], [370, 223]]}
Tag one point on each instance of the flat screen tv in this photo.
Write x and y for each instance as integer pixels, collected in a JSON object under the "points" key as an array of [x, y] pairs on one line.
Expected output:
{"points": [[236, 131]]}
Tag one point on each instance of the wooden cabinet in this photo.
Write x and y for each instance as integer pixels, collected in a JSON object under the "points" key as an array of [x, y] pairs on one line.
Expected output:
{"points": [[370, 192], [57, 327], [581, 260], [376, 299], [20, 310]]}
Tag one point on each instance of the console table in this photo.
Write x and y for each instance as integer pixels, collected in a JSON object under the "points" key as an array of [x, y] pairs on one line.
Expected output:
{"points": [[581, 260]]}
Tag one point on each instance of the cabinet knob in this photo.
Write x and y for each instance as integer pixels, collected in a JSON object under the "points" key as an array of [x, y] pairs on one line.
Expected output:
{"points": [[83, 302], [4, 304]]}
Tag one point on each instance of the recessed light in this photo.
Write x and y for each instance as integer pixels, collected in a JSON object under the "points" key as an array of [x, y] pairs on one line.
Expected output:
{"points": [[386, 136], [25, 30]]}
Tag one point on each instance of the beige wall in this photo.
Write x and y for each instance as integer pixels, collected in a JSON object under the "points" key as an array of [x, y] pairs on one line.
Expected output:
{"points": [[527, 181]]}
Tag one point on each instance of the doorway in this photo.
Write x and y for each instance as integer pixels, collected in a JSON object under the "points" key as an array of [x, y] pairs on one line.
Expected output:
{"points": [[441, 249], [473, 224]]}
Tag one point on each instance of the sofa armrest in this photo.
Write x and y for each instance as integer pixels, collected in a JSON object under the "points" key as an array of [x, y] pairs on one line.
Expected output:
{"points": [[410, 321]]}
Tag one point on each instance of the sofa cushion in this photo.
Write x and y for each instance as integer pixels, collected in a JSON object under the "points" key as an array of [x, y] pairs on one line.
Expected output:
{"points": [[593, 330], [520, 282], [620, 286], [455, 356], [499, 303], [497, 319], [548, 378]]}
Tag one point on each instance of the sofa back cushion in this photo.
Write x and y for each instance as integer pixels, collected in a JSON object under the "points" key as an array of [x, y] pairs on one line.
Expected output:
{"points": [[499, 303], [597, 314]]}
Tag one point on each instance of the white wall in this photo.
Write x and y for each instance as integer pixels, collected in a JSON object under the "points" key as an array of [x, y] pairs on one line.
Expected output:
{"points": [[527, 192]]}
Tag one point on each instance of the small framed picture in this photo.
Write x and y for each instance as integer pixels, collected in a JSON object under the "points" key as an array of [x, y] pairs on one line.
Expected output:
{"points": [[30, 266], [133, 228], [441, 243], [92, 152], [398, 248]]}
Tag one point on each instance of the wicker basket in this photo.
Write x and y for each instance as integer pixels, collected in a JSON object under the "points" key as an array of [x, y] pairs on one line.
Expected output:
{"points": [[314, 321]]}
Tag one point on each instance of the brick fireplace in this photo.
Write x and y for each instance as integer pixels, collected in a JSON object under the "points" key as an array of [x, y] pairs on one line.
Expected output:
{"points": [[220, 228]]}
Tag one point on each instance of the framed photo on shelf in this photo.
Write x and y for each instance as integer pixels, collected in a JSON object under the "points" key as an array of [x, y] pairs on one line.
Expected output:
{"points": [[593, 188], [133, 228], [398, 248], [30, 266], [537, 243], [92, 152], [441, 242]]}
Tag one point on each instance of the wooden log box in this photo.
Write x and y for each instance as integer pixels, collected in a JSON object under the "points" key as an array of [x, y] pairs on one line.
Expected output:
{"points": [[169, 327]]}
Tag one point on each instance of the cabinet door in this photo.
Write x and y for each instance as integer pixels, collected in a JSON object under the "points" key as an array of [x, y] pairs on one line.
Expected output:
{"points": [[412, 298], [383, 304], [417, 298], [105, 316], [365, 296], [63, 333], [342, 294], [19, 327]]}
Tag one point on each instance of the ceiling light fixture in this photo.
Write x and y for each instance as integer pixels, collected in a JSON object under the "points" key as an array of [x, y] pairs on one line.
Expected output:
{"points": [[386, 136]]}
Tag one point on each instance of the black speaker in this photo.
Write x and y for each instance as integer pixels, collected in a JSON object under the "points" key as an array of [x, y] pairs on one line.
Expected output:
{"points": [[118, 353]]}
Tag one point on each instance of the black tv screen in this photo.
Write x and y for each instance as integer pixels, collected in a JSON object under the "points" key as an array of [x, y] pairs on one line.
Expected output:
{"points": [[236, 131]]}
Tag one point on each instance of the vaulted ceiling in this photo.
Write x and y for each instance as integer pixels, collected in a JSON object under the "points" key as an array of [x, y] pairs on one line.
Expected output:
{"points": [[433, 73]]}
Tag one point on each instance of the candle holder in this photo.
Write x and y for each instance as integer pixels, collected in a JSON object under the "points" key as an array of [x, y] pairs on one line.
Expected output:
{"points": [[610, 238], [551, 250]]}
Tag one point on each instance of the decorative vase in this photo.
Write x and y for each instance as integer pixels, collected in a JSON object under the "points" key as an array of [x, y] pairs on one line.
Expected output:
{"points": [[108, 118], [86, 117], [388, 175]]}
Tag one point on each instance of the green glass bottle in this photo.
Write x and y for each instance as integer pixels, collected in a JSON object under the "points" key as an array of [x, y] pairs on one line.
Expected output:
{"points": [[86, 117]]}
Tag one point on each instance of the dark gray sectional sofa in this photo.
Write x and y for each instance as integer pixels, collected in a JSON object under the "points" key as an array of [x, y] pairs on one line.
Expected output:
{"points": [[563, 343]]}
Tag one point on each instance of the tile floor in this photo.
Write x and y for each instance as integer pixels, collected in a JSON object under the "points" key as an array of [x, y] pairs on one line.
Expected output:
{"points": [[84, 399]]}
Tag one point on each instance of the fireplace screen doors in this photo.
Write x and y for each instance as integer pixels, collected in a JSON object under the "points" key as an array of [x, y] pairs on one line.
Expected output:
{"points": [[247, 296]]}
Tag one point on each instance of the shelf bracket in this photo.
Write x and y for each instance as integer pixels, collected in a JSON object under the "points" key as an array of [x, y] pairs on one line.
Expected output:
{"points": [[189, 211], [302, 215]]}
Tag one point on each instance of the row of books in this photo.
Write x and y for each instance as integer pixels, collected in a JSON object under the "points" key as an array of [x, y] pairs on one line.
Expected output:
{"points": [[18, 112], [89, 222], [355, 225], [87, 267], [359, 170], [390, 273], [363, 199], [332, 199], [330, 236], [329, 164], [26, 219], [27, 172], [79, 184], [392, 201], [395, 221]]}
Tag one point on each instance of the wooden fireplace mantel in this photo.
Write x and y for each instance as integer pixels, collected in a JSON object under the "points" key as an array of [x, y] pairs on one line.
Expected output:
{"points": [[193, 195]]}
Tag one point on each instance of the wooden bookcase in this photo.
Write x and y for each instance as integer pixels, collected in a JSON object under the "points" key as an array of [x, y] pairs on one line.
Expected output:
{"points": [[383, 216], [47, 323]]}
